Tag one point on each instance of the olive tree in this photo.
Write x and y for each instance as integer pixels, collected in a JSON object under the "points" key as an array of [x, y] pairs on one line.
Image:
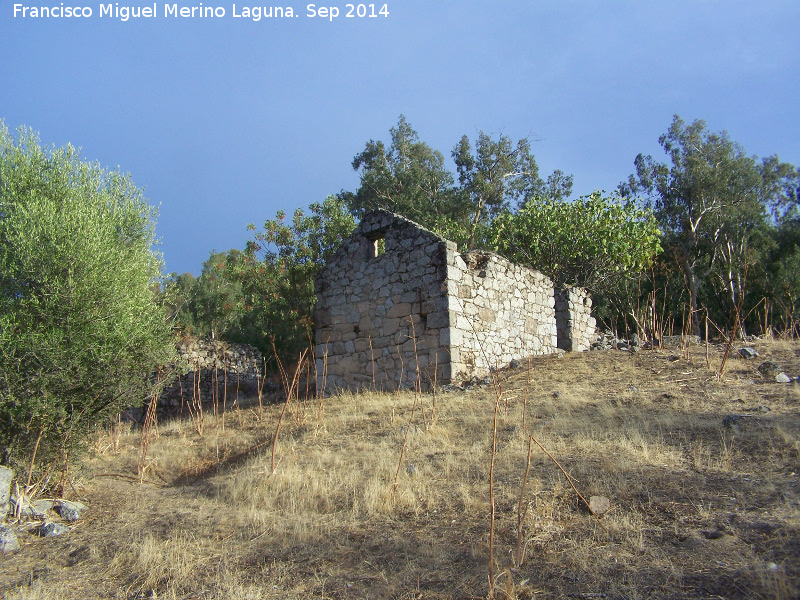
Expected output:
{"points": [[81, 332]]}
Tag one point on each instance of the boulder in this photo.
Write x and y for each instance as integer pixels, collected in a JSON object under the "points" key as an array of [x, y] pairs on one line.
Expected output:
{"points": [[6, 475], [599, 505], [70, 511], [769, 368], [8, 540], [53, 529]]}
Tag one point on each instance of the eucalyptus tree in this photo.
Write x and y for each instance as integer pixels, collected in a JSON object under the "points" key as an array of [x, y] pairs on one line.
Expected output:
{"points": [[499, 175], [409, 178], [713, 202], [277, 269]]}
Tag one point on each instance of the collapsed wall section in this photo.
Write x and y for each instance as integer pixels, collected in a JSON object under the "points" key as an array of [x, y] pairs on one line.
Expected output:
{"points": [[207, 366], [382, 311], [574, 320], [499, 312]]}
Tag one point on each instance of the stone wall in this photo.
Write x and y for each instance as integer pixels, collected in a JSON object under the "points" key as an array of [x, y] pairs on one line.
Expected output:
{"points": [[218, 363], [499, 312], [381, 307], [574, 320], [396, 302]]}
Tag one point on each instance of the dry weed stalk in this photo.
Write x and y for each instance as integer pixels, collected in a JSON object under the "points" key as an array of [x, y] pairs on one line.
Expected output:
{"points": [[525, 397], [321, 384], [520, 511], [413, 407], [290, 389], [433, 390], [183, 404], [570, 481], [417, 382], [493, 509], [261, 379], [150, 422], [403, 448], [33, 456], [215, 392], [196, 408], [116, 432], [402, 369], [372, 360], [498, 391], [226, 365], [736, 325]]}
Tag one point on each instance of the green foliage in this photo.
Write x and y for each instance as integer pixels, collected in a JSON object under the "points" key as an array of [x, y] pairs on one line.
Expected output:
{"points": [[713, 202], [497, 175], [277, 270], [411, 179], [408, 178], [784, 271], [589, 242], [209, 305], [80, 329]]}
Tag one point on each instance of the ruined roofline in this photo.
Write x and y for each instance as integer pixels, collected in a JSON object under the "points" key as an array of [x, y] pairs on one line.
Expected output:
{"points": [[382, 212], [373, 222], [363, 228]]}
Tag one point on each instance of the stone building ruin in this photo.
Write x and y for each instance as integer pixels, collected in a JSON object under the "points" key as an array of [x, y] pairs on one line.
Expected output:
{"points": [[396, 301]]}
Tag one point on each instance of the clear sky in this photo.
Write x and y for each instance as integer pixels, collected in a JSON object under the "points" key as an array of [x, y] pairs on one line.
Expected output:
{"points": [[225, 120]]}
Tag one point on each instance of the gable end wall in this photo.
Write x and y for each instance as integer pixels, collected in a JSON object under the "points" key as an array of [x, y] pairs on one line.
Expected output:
{"points": [[379, 318]]}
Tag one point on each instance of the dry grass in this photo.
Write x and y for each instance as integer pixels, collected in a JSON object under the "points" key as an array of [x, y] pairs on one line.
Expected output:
{"points": [[697, 510]]}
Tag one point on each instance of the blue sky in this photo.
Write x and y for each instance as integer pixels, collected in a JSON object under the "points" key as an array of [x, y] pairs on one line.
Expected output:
{"points": [[224, 121]]}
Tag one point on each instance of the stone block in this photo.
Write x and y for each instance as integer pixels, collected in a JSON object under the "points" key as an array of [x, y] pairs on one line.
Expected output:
{"points": [[438, 319], [6, 477], [401, 309]]}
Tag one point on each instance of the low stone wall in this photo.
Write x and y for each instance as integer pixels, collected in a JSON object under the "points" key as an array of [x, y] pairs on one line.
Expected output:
{"points": [[574, 321], [215, 364]]}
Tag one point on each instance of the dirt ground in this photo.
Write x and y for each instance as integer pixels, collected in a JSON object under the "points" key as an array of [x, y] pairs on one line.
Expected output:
{"points": [[388, 495]]}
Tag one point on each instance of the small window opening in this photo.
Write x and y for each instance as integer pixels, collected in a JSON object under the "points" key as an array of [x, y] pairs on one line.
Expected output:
{"points": [[377, 246]]}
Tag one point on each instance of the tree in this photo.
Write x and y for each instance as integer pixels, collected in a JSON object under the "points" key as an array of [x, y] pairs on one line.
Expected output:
{"points": [[411, 179], [277, 271], [499, 173], [711, 202], [209, 305], [80, 328], [590, 242], [784, 271], [408, 178]]}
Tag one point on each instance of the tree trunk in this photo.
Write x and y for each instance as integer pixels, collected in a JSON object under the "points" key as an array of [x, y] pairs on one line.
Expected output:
{"points": [[693, 285]]}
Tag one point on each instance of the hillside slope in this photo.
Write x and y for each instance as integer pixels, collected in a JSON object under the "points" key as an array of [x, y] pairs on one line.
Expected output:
{"points": [[698, 509]]}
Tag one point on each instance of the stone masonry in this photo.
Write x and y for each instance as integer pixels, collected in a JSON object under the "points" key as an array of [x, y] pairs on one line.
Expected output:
{"points": [[574, 319], [396, 302], [215, 363]]}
